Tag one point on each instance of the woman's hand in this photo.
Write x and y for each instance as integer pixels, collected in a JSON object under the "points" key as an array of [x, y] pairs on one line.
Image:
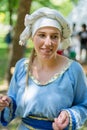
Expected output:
{"points": [[62, 121], [4, 102]]}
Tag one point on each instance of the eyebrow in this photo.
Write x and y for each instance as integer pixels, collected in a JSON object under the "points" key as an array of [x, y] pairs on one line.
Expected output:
{"points": [[51, 33]]}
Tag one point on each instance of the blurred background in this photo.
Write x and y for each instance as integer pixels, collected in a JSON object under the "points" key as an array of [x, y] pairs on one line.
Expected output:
{"points": [[12, 13]]}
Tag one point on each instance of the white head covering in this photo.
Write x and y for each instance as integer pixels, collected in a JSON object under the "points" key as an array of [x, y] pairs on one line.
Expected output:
{"points": [[46, 17], [45, 22]]}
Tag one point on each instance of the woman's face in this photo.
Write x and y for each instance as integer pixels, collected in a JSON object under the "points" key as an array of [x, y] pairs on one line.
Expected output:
{"points": [[46, 41]]}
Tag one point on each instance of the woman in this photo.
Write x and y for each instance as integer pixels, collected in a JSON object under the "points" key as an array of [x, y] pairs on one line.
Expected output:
{"points": [[48, 92]]}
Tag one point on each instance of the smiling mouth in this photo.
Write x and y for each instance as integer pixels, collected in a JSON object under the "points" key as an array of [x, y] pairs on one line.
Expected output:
{"points": [[45, 50]]}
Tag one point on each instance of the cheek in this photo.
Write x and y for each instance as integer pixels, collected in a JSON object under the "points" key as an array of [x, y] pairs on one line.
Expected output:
{"points": [[57, 42], [36, 41]]}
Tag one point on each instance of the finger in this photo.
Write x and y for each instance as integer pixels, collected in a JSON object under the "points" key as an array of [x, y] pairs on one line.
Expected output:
{"points": [[65, 124], [2, 98], [6, 99], [57, 124], [62, 118], [55, 127], [4, 104], [61, 123]]}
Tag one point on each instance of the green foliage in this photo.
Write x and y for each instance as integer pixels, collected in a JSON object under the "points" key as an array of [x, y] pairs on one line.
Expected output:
{"points": [[75, 1], [12, 5], [4, 5], [7, 7], [65, 7]]}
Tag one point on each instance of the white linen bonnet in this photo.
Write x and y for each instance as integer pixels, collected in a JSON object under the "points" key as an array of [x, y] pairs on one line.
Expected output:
{"points": [[46, 17]]}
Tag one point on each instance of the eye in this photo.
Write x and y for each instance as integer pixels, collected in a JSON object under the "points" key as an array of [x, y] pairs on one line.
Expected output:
{"points": [[41, 35], [54, 37]]}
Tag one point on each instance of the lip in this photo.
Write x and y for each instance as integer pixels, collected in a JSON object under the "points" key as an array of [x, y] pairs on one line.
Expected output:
{"points": [[46, 50]]}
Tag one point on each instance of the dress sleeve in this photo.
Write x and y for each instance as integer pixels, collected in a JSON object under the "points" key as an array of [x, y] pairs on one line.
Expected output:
{"points": [[78, 111], [8, 113]]}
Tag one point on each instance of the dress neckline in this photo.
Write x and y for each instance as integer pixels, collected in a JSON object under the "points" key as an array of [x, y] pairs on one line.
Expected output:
{"points": [[53, 77]]}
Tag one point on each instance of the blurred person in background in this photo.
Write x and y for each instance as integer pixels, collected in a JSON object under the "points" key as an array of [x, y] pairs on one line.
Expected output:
{"points": [[74, 49], [8, 39], [82, 35]]}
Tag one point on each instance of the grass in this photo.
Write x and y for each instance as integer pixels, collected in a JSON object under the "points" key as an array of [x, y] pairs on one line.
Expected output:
{"points": [[3, 67]]}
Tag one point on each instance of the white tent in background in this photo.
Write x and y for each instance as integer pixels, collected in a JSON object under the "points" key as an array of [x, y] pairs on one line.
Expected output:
{"points": [[79, 13]]}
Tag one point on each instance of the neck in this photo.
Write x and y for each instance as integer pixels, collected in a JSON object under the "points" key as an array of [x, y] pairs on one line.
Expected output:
{"points": [[46, 63]]}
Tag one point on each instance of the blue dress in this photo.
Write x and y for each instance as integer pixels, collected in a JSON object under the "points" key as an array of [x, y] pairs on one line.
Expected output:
{"points": [[64, 91]]}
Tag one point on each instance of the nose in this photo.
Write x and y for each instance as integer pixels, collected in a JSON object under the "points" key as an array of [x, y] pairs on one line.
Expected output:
{"points": [[48, 41]]}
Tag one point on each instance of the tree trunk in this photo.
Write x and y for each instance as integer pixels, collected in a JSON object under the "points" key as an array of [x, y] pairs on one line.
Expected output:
{"points": [[10, 12], [17, 50]]}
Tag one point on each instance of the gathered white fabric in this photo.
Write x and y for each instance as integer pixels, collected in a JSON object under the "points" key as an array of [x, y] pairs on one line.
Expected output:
{"points": [[45, 22], [46, 17]]}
